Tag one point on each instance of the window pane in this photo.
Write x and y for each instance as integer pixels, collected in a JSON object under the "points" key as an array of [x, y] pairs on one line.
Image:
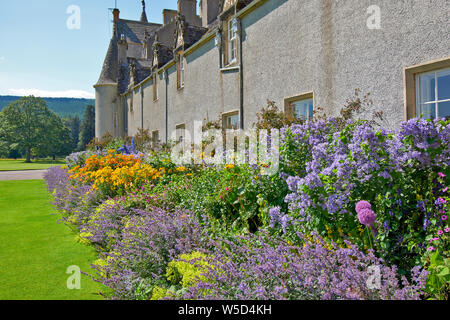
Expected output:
{"points": [[231, 122], [311, 108], [444, 109], [444, 85], [428, 111], [427, 88], [303, 109]]}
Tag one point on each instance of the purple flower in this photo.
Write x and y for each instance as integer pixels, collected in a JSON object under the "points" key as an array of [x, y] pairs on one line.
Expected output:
{"points": [[440, 232], [431, 248], [444, 217], [445, 190], [447, 229], [367, 217], [361, 205], [441, 175]]}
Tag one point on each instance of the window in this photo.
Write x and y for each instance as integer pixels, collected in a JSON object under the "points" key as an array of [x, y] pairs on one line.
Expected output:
{"points": [[180, 129], [433, 94], [155, 139], [426, 89], [231, 121], [180, 71], [155, 86], [232, 42], [301, 107]]}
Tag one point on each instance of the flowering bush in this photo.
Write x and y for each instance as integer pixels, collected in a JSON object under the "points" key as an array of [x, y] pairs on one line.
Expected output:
{"points": [[268, 268], [349, 197], [114, 173], [234, 196], [149, 241], [329, 169]]}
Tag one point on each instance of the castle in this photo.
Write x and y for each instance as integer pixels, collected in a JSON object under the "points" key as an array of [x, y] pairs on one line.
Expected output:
{"points": [[236, 54]]}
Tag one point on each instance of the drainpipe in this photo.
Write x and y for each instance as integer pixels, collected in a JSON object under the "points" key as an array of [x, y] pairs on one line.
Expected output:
{"points": [[241, 78], [166, 77], [142, 108]]}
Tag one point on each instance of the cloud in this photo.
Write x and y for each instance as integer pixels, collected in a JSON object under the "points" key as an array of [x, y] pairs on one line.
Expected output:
{"points": [[2, 59], [52, 94]]}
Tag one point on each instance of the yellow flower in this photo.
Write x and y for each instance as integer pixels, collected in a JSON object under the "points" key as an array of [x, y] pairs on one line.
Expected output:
{"points": [[229, 166]]}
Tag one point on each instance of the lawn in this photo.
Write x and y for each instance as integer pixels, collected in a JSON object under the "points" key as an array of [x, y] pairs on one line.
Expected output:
{"points": [[15, 165], [36, 250]]}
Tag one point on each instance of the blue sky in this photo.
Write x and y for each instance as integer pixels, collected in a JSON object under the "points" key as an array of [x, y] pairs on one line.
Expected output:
{"points": [[40, 55]]}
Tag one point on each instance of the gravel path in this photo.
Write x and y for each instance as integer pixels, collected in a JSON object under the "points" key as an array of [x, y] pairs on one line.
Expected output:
{"points": [[22, 175]]}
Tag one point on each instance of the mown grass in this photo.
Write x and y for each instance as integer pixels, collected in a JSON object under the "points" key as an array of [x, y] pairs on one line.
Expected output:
{"points": [[20, 164], [36, 250]]}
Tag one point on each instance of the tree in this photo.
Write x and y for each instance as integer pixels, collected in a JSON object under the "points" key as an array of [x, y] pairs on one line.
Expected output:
{"points": [[73, 124], [26, 122], [87, 129], [58, 141]]}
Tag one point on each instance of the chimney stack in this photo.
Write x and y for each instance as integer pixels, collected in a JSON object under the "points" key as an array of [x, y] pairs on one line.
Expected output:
{"points": [[188, 8], [209, 10], [169, 15]]}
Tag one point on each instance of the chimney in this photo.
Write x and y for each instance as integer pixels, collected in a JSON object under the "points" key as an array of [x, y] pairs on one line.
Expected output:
{"points": [[209, 10], [116, 13], [188, 8], [169, 15]]}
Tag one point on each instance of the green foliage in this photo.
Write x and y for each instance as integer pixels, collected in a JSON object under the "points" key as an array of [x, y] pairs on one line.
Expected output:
{"points": [[73, 124], [438, 281], [64, 107], [29, 123], [271, 117], [234, 197], [188, 269], [87, 129]]}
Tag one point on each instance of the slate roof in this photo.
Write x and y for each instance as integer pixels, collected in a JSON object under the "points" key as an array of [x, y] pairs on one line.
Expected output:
{"points": [[193, 34], [143, 71], [140, 32], [165, 54], [110, 65], [134, 31]]}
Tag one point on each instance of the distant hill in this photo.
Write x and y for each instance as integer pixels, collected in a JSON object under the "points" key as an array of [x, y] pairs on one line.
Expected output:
{"points": [[65, 107]]}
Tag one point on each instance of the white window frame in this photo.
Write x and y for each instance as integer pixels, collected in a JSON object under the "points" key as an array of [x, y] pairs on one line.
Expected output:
{"points": [[436, 96], [232, 40]]}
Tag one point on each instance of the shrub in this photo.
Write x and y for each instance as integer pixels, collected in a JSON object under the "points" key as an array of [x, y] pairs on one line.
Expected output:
{"points": [[262, 267], [329, 169], [149, 241]]}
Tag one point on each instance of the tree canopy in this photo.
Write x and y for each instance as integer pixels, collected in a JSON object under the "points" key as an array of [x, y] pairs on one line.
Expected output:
{"points": [[28, 123]]}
